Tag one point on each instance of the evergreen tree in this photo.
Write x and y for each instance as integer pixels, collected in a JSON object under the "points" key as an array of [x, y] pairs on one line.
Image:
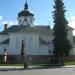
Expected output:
{"points": [[61, 43]]}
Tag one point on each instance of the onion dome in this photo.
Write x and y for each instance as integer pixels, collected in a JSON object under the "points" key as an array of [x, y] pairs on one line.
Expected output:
{"points": [[25, 12]]}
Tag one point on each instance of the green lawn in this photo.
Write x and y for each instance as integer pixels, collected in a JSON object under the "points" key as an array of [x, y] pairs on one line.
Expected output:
{"points": [[11, 64], [70, 63], [66, 63]]}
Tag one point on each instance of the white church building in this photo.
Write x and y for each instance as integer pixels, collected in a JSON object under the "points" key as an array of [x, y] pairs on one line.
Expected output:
{"points": [[37, 39]]}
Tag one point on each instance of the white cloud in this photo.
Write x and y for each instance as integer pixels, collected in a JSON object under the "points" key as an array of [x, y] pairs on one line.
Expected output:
{"points": [[72, 23], [35, 23], [20, 8], [10, 22], [1, 18], [73, 18], [4, 22]]}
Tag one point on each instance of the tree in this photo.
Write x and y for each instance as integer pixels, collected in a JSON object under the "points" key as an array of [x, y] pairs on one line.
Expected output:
{"points": [[61, 43]]}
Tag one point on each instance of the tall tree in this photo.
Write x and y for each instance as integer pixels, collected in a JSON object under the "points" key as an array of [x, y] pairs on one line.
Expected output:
{"points": [[61, 43]]}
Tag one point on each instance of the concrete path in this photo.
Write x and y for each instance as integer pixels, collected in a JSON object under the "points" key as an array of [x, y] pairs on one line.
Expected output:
{"points": [[66, 70]]}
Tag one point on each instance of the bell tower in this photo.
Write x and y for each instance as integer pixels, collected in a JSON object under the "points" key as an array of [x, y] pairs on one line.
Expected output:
{"points": [[25, 17]]}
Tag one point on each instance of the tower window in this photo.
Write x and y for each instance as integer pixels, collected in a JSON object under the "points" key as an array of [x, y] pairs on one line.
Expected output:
{"points": [[25, 19], [20, 20], [30, 20]]}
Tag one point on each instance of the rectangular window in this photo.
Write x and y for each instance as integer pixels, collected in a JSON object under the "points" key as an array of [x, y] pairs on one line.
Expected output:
{"points": [[17, 42], [30, 43], [43, 40]]}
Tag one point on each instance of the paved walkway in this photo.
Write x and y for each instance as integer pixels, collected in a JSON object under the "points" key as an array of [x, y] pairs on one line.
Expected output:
{"points": [[14, 70], [69, 66], [33, 70]]}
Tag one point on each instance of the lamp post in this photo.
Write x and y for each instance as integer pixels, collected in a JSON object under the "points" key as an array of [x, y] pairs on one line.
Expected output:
{"points": [[49, 57], [50, 48], [23, 55]]}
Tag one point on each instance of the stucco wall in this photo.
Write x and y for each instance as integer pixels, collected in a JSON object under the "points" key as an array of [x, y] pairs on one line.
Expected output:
{"points": [[31, 43], [2, 48], [21, 20]]}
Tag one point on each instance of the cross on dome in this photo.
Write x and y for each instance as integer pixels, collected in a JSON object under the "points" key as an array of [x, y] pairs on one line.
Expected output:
{"points": [[26, 6]]}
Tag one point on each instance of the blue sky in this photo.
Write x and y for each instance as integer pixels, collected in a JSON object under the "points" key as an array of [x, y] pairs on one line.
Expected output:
{"points": [[42, 10]]}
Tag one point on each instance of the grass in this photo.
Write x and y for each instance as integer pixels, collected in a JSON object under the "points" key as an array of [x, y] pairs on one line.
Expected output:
{"points": [[21, 64], [11, 64], [65, 63], [69, 63]]}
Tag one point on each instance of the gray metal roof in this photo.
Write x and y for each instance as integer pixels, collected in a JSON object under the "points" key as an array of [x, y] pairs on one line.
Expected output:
{"points": [[3, 33], [16, 28], [13, 28], [5, 41], [43, 41]]}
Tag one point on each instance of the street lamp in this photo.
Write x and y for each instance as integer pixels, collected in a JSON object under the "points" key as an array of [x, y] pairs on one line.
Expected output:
{"points": [[23, 55]]}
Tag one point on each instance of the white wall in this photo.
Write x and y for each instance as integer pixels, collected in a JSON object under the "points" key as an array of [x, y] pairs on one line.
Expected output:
{"points": [[44, 48], [2, 48], [70, 37], [30, 20], [31, 43], [31, 39]]}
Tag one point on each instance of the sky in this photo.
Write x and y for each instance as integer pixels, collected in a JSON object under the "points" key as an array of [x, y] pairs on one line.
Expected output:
{"points": [[42, 10]]}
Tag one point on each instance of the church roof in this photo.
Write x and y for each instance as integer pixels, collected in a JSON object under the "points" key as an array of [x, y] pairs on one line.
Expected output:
{"points": [[5, 41], [3, 33], [16, 28], [41, 27], [13, 28]]}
